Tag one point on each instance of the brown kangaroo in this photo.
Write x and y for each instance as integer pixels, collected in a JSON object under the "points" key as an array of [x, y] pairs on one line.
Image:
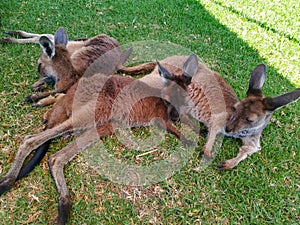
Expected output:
{"points": [[205, 95], [84, 53], [80, 46], [94, 107]]}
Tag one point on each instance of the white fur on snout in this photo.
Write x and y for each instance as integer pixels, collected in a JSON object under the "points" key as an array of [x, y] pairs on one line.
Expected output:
{"points": [[246, 132]]}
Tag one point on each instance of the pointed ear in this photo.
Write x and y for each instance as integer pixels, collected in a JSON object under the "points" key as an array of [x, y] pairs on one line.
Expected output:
{"points": [[125, 56], [190, 68], [47, 46], [257, 80], [165, 74], [61, 37], [275, 103]]}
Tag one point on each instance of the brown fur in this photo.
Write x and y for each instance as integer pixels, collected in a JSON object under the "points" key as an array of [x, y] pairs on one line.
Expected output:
{"points": [[93, 107], [207, 97], [82, 53], [65, 62]]}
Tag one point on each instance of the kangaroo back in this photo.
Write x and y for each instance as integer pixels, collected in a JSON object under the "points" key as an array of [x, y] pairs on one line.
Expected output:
{"points": [[197, 90], [93, 49]]}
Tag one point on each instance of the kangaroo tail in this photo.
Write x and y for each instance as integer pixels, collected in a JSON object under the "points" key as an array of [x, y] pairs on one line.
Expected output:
{"points": [[34, 160], [134, 70], [138, 69]]}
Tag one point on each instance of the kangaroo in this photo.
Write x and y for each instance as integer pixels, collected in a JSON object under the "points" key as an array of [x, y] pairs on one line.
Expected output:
{"points": [[205, 95], [59, 112], [73, 46], [83, 53], [62, 109], [93, 107]]}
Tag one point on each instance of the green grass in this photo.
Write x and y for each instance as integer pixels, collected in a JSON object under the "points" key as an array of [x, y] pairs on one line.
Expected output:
{"points": [[232, 37]]}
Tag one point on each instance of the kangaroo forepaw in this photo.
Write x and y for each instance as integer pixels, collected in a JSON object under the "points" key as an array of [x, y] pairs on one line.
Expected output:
{"points": [[207, 155], [226, 165], [6, 183], [29, 99], [64, 209]]}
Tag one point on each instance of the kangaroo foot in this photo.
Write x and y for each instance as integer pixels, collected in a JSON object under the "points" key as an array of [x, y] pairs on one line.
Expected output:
{"points": [[206, 154], [6, 183], [228, 164], [64, 208], [12, 32]]}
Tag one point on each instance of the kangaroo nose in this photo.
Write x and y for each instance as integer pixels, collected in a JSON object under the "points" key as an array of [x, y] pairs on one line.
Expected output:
{"points": [[228, 130]]}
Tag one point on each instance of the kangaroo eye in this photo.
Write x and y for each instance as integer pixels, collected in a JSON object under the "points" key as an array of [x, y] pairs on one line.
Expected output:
{"points": [[249, 120]]}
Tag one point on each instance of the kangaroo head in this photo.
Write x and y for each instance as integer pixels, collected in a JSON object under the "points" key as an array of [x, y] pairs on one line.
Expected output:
{"points": [[174, 91], [55, 59], [251, 115]]}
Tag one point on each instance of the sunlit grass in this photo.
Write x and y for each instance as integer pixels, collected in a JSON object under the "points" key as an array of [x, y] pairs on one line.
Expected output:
{"points": [[271, 27]]}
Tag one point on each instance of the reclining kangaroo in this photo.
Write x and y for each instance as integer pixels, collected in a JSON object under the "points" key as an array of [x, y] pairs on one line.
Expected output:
{"points": [[64, 68], [83, 53], [93, 107], [205, 95]]}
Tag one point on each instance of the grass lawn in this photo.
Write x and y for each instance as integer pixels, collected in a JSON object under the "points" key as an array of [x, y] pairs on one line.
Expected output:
{"points": [[232, 37]]}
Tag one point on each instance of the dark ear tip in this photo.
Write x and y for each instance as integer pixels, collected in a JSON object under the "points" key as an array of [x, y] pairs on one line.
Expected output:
{"points": [[263, 66], [61, 29], [193, 55], [44, 41], [160, 67]]}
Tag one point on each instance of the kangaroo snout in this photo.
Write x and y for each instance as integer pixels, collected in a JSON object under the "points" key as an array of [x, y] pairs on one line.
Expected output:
{"points": [[228, 129]]}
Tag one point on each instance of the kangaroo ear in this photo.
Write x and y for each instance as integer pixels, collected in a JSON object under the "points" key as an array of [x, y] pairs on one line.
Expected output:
{"points": [[125, 56], [61, 37], [190, 66], [165, 74], [257, 80], [275, 103], [47, 46]]}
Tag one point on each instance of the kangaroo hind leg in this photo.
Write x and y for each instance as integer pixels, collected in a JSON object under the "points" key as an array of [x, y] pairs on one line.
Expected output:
{"points": [[57, 161], [30, 143], [26, 37]]}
